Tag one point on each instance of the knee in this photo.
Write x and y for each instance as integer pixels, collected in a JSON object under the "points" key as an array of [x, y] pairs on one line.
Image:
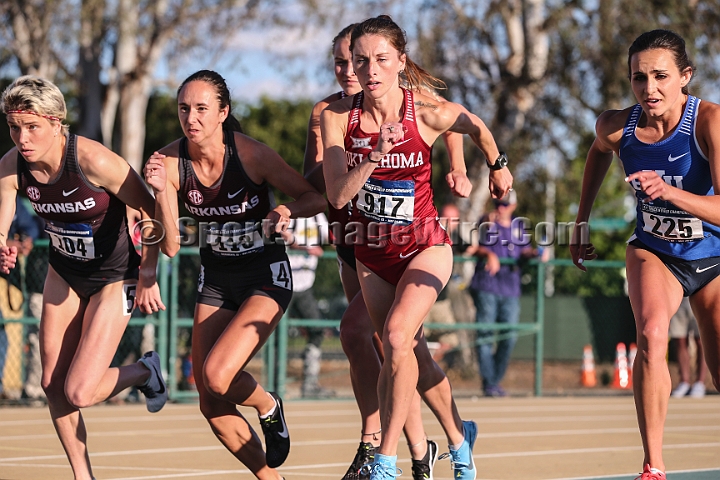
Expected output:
{"points": [[54, 388], [79, 396], [355, 338], [216, 379], [653, 341], [398, 344]]}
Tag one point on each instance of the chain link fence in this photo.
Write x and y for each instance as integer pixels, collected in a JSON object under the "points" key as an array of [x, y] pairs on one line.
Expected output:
{"points": [[577, 308]]}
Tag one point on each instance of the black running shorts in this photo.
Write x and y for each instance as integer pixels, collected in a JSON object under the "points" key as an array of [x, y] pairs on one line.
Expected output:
{"points": [[692, 274], [230, 290]]}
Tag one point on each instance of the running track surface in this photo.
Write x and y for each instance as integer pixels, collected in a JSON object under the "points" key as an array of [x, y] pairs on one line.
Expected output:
{"points": [[564, 438]]}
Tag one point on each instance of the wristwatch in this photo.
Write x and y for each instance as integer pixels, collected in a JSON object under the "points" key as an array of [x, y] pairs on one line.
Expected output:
{"points": [[501, 162]]}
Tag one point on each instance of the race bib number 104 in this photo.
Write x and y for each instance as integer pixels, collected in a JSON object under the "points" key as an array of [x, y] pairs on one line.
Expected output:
{"points": [[74, 240]]}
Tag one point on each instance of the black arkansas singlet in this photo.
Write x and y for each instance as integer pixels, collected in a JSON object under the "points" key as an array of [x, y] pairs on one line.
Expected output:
{"points": [[229, 213], [87, 225]]}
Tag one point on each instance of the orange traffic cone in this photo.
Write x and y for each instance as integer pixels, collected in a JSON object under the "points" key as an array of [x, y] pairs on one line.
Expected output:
{"points": [[588, 377], [622, 374], [632, 353]]}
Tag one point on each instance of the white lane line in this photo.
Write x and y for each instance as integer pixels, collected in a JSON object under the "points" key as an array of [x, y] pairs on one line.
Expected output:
{"points": [[526, 433], [322, 425]]}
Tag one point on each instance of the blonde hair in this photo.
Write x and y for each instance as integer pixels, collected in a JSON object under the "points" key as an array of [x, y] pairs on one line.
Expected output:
{"points": [[35, 95]]}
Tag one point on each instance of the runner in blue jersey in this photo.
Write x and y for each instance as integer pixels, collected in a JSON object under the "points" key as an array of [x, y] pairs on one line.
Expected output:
{"points": [[225, 180], [95, 277], [670, 148]]}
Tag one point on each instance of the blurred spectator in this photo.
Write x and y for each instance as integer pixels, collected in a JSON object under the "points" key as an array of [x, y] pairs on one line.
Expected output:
{"points": [[307, 236], [683, 325], [495, 289]]}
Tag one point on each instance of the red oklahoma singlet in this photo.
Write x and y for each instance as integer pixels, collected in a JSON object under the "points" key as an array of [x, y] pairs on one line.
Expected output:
{"points": [[395, 206], [86, 224]]}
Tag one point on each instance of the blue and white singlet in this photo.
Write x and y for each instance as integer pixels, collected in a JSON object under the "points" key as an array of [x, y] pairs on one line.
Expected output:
{"points": [[679, 161]]}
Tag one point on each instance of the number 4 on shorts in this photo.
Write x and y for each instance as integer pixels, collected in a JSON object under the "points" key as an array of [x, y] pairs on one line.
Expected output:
{"points": [[281, 275]]}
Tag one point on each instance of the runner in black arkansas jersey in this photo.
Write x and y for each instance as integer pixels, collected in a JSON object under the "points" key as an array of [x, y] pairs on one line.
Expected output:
{"points": [[223, 178], [81, 189]]}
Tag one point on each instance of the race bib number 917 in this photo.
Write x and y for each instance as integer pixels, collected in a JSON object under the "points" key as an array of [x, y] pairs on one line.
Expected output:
{"points": [[387, 201], [74, 240]]}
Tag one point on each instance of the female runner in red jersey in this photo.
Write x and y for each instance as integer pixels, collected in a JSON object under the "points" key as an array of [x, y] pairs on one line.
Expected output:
{"points": [[357, 334], [377, 147]]}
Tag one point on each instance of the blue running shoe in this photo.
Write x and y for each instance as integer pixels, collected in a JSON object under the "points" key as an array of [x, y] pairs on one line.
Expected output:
{"points": [[155, 390], [462, 459], [382, 468]]}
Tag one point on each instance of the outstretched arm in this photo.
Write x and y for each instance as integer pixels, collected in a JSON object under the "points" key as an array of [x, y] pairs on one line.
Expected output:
{"points": [[8, 194], [264, 164], [599, 159], [105, 169], [456, 118]]}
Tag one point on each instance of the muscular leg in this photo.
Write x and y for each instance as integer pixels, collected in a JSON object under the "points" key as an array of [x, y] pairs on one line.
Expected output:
{"points": [[78, 339], [223, 343], [398, 313], [655, 295], [357, 336]]}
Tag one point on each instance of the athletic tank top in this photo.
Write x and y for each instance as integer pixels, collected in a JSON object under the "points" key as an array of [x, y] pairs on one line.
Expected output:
{"points": [[679, 161], [229, 213], [398, 195], [87, 225], [338, 218]]}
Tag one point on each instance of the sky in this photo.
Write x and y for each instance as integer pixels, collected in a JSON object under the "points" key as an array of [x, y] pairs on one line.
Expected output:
{"points": [[278, 62]]}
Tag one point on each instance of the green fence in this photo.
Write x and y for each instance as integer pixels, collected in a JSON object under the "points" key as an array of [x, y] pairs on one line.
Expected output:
{"points": [[587, 303]]}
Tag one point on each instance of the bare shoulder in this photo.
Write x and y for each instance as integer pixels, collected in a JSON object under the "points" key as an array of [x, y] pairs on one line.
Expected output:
{"points": [[440, 115], [94, 157], [340, 106], [609, 126], [9, 161], [250, 149], [708, 115], [424, 101], [322, 104], [172, 149]]}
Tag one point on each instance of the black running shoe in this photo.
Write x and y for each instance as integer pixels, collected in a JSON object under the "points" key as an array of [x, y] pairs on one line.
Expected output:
{"points": [[364, 456], [155, 389], [277, 438], [423, 469]]}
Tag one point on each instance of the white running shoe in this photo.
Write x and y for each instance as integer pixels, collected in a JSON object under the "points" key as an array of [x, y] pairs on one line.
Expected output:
{"points": [[681, 390], [697, 390]]}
